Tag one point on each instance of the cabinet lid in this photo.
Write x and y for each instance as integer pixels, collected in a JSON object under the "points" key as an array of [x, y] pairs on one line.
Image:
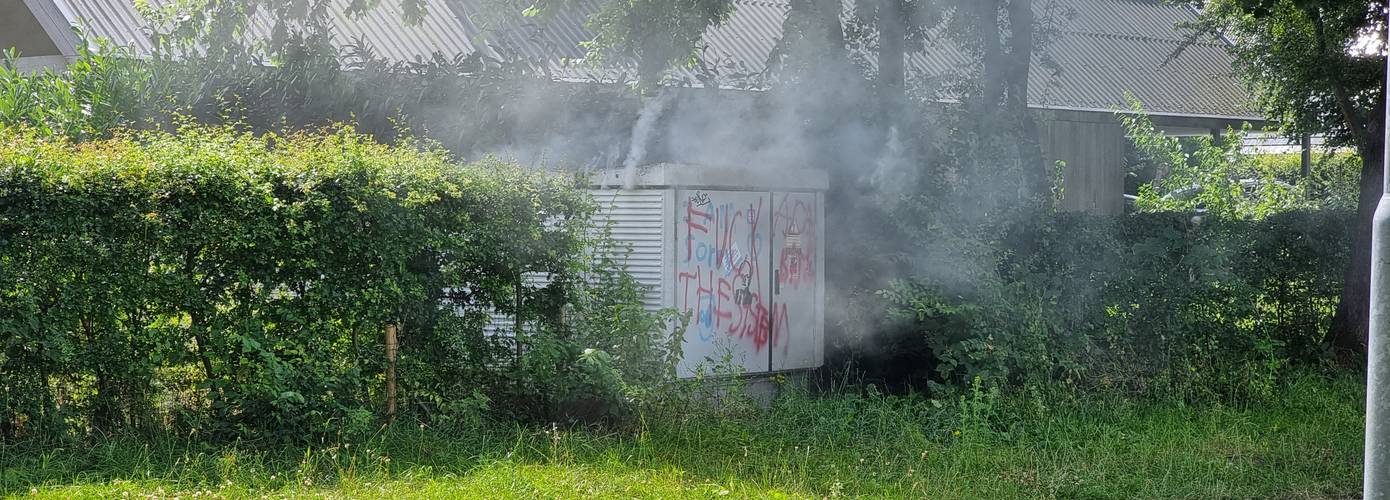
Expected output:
{"points": [[681, 175]]}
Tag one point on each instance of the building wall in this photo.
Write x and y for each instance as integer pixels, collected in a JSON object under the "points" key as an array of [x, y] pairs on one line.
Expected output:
{"points": [[1093, 146], [19, 29]]}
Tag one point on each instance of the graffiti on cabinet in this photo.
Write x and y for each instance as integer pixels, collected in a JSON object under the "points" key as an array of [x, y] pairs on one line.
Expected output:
{"points": [[796, 262], [721, 272]]}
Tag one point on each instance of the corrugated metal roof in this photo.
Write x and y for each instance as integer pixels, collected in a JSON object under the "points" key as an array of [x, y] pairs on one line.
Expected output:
{"points": [[551, 40], [383, 27], [749, 36], [1096, 71], [116, 20], [555, 35], [1105, 49], [1102, 49], [1112, 47]]}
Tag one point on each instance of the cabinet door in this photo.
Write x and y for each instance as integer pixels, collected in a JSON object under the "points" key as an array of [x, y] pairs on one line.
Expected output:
{"points": [[723, 279], [798, 284]]}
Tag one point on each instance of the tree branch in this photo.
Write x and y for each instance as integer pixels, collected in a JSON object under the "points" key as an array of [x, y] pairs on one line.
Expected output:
{"points": [[1335, 81]]}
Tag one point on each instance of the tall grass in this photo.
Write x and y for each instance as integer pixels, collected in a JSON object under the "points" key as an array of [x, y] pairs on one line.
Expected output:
{"points": [[847, 443]]}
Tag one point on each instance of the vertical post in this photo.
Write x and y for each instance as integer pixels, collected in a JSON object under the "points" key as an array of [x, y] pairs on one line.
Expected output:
{"points": [[391, 347], [1306, 145], [517, 320], [1377, 473]]}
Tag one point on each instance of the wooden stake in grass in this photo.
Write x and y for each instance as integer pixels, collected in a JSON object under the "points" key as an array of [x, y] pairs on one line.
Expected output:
{"points": [[390, 372]]}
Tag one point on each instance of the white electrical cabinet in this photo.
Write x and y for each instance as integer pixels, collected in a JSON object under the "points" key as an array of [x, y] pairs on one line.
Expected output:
{"points": [[739, 250]]}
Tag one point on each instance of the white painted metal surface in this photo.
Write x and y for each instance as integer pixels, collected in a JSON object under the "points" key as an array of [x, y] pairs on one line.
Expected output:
{"points": [[504, 325], [798, 320], [723, 279]]}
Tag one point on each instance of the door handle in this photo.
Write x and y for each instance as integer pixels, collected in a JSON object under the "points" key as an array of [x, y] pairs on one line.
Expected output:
{"points": [[776, 281]]}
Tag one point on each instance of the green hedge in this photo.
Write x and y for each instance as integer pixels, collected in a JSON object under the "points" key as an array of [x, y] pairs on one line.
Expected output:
{"points": [[1166, 303], [218, 282]]}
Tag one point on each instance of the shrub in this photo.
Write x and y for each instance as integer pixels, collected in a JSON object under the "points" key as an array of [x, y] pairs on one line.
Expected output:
{"points": [[237, 285], [1223, 178], [1163, 304], [103, 88]]}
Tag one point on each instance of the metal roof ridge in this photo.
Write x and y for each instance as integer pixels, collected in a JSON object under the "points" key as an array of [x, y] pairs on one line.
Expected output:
{"points": [[763, 3], [1139, 38]]}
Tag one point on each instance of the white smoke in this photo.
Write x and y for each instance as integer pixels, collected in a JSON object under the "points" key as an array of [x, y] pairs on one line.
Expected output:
{"points": [[894, 171], [641, 136]]}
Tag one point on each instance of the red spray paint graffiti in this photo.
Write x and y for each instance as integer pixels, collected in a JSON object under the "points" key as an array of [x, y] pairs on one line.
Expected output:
{"points": [[720, 279], [724, 275], [796, 262]]}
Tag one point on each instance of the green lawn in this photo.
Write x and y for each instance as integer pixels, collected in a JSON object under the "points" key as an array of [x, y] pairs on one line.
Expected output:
{"points": [[1305, 445]]}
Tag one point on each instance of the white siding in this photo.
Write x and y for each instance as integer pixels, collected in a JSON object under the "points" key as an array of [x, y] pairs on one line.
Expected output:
{"points": [[504, 325], [639, 222]]}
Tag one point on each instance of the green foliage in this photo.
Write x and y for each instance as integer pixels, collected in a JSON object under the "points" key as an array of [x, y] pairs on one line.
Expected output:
{"points": [[234, 285], [1005, 334], [102, 89], [656, 33], [1333, 183], [1306, 61], [1217, 177], [231, 36], [1318, 67], [471, 104], [604, 314], [1164, 304]]}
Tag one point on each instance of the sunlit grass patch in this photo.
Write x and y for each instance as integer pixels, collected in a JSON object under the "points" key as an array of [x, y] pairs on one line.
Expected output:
{"points": [[1306, 445]]}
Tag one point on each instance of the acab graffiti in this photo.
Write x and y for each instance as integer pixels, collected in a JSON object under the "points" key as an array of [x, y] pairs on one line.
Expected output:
{"points": [[795, 219]]}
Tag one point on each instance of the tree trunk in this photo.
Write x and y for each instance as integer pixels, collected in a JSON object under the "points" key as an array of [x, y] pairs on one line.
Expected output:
{"points": [[200, 342], [992, 60], [104, 417], [1351, 323], [814, 63], [827, 15], [892, 38], [1020, 14], [1029, 145]]}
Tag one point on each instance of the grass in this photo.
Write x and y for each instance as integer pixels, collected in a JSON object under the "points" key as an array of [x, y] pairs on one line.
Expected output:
{"points": [[1307, 444]]}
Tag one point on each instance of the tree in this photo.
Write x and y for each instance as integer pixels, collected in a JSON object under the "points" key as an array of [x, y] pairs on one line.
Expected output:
{"points": [[1001, 33], [654, 33], [1318, 67]]}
